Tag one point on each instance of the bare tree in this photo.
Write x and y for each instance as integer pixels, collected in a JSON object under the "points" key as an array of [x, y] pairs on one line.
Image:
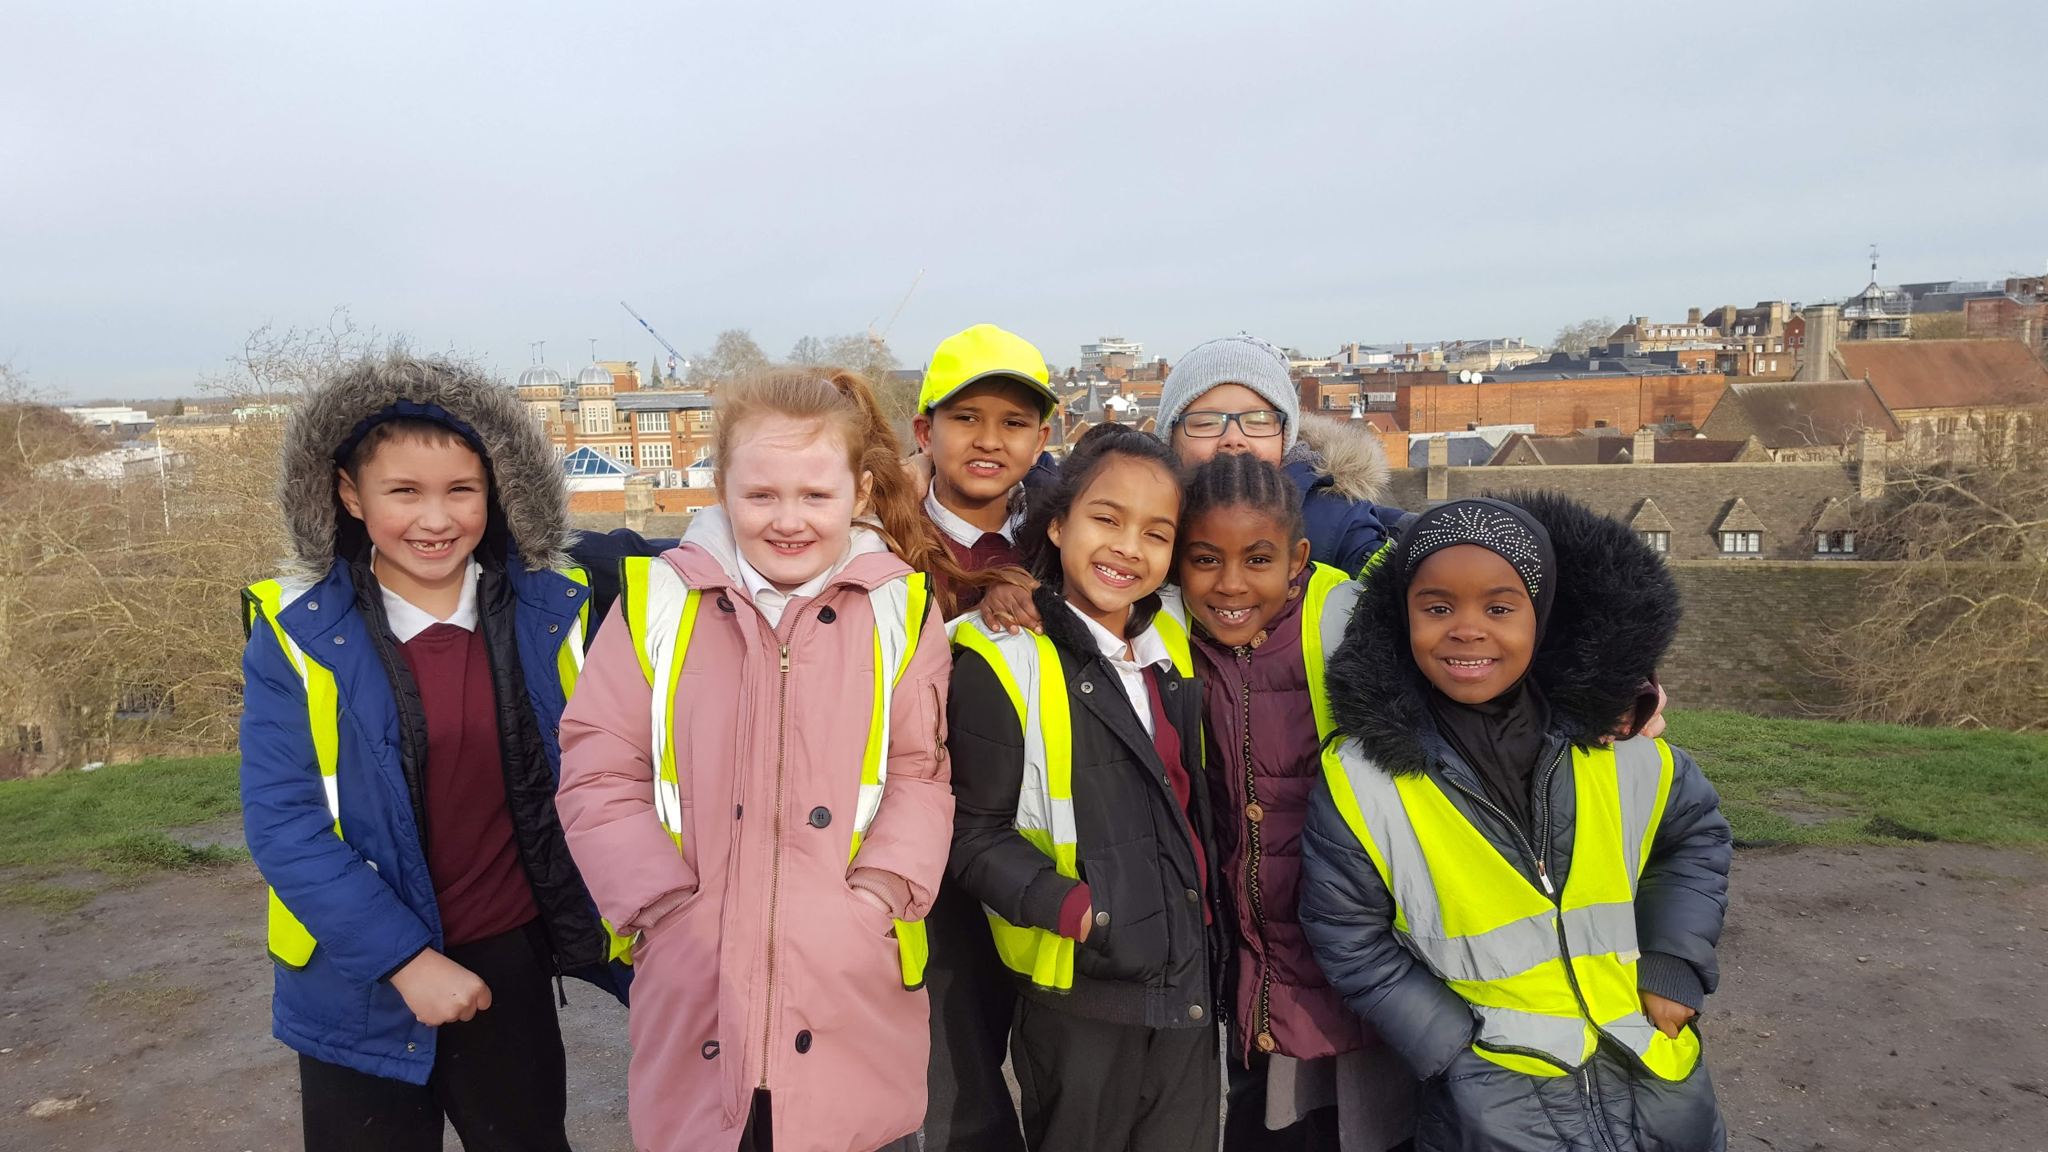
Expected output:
{"points": [[1955, 631], [1938, 326], [1577, 338], [733, 355], [276, 367], [809, 352]]}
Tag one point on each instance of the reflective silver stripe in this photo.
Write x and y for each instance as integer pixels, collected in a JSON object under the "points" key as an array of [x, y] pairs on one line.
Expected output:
{"points": [[1037, 809], [1563, 1037], [1640, 766], [1601, 928], [1336, 614], [1410, 882], [1508, 950], [891, 607], [1634, 1030], [666, 594]]}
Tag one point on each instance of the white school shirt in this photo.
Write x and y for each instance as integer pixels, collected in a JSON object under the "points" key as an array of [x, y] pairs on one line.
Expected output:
{"points": [[967, 535], [1147, 650], [408, 619]]}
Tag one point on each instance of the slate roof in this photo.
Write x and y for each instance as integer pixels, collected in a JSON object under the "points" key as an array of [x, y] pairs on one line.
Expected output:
{"points": [[1738, 518], [1834, 516], [1911, 374], [1798, 415], [1649, 518]]}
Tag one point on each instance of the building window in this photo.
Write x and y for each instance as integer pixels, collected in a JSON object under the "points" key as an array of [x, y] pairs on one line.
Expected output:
{"points": [[1834, 543], [653, 421], [1742, 543], [597, 419], [655, 455], [1659, 542]]}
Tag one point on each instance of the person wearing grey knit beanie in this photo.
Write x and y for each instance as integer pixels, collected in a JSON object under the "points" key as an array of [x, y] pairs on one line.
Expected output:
{"points": [[1230, 395]]}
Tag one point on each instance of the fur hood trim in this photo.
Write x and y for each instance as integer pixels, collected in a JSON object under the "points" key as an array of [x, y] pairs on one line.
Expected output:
{"points": [[529, 496], [1616, 613], [1347, 452]]}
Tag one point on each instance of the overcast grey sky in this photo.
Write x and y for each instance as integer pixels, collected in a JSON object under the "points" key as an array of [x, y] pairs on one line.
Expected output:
{"points": [[480, 176]]}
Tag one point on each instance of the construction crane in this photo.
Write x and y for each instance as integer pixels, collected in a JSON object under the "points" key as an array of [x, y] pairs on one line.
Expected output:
{"points": [[673, 356], [879, 338]]}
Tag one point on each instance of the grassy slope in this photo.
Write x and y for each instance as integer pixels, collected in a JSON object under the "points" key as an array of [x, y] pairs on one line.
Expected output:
{"points": [[112, 819], [1980, 787]]}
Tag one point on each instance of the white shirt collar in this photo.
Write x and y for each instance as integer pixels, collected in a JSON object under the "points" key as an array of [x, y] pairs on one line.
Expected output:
{"points": [[772, 600], [1147, 647], [967, 535], [408, 620]]}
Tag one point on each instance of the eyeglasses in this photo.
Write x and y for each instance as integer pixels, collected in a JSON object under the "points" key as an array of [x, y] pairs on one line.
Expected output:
{"points": [[1259, 422]]}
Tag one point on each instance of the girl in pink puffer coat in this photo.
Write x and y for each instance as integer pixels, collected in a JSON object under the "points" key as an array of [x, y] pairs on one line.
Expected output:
{"points": [[770, 969]]}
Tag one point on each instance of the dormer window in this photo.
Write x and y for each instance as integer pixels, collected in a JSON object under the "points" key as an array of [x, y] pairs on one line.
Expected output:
{"points": [[1659, 542], [1834, 543], [1742, 543]]}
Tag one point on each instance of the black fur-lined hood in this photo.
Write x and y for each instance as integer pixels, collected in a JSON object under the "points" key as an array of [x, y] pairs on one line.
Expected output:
{"points": [[1616, 613], [532, 502]]}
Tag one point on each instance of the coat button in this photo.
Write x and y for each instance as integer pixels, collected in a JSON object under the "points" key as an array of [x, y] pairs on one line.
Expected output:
{"points": [[1102, 919], [820, 817], [1194, 1011], [710, 1049], [1254, 812], [1194, 897], [724, 603], [312, 605], [1266, 1042], [1173, 685], [554, 628], [340, 640], [1087, 686], [803, 1041], [569, 592], [411, 1047], [827, 615]]}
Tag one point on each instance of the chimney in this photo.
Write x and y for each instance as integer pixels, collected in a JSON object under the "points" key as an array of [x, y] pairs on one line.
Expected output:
{"points": [[639, 501], [1645, 448], [1439, 468], [1823, 322], [1870, 450], [1692, 315]]}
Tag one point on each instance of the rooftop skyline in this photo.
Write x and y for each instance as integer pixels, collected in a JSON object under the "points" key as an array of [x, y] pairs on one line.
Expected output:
{"points": [[480, 177]]}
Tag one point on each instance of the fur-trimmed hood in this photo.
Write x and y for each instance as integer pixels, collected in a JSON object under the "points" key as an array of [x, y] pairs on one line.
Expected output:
{"points": [[1345, 451], [1616, 612], [530, 500]]}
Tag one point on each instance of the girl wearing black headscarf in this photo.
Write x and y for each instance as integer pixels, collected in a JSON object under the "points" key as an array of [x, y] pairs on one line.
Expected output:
{"points": [[1490, 652]]}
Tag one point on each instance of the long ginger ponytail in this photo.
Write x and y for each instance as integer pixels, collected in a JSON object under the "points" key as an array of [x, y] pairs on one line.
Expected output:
{"points": [[846, 403]]}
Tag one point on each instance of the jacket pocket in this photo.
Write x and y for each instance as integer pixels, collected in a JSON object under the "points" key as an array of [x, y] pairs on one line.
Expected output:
{"points": [[874, 921], [320, 996], [1479, 1103], [1674, 1115], [1125, 883]]}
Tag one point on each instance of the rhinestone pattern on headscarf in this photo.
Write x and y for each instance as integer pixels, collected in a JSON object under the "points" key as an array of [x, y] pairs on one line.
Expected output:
{"points": [[1491, 529]]}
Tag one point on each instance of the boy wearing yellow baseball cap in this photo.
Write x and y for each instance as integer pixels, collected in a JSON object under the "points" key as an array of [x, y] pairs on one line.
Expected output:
{"points": [[983, 418]]}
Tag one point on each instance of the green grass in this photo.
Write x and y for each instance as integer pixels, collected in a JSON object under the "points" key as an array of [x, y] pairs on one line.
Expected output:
{"points": [[1869, 783], [145, 995], [112, 820], [55, 899]]}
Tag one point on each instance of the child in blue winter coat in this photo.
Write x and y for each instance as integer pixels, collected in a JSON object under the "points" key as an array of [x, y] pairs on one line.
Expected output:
{"points": [[399, 763]]}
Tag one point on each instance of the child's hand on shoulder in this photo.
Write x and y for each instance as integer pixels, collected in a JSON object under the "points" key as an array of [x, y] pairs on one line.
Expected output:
{"points": [[1010, 608], [1668, 1015], [440, 991]]}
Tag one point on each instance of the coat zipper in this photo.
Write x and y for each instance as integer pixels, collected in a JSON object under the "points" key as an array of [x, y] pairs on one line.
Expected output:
{"points": [[1262, 1021], [775, 866], [1584, 1074]]}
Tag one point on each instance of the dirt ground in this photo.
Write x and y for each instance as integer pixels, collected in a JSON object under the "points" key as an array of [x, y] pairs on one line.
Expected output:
{"points": [[1881, 998]]}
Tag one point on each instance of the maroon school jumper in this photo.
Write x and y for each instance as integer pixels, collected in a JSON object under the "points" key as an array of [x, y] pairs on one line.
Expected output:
{"points": [[991, 551], [478, 881]]}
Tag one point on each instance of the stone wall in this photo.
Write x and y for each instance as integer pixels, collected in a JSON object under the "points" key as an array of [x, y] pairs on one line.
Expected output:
{"points": [[1743, 642]]}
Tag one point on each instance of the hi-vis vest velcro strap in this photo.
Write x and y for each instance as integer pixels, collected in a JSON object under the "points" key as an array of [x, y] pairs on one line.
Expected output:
{"points": [[1546, 976], [290, 943], [661, 615]]}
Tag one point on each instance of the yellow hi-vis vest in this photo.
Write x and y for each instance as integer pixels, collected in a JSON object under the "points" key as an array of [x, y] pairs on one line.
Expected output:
{"points": [[661, 614], [1546, 974], [1045, 802], [290, 943]]}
